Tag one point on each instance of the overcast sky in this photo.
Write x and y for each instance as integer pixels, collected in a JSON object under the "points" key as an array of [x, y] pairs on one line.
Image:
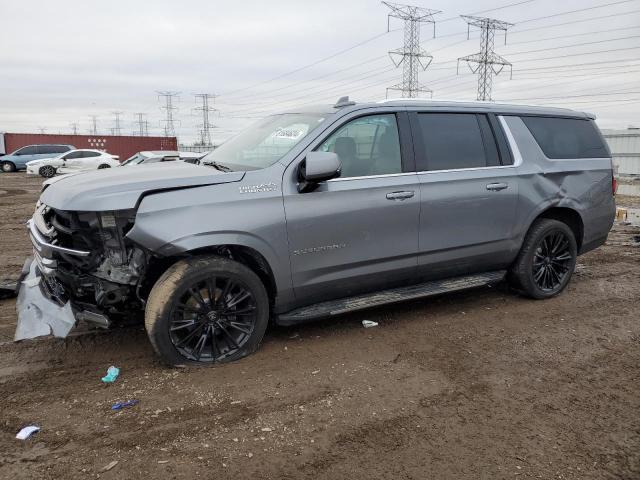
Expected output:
{"points": [[61, 61]]}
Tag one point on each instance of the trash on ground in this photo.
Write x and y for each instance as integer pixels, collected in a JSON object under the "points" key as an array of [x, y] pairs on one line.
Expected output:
{"points": [[369, 324], [26, 432], [112, 374], [121, 405], [109, 466]]}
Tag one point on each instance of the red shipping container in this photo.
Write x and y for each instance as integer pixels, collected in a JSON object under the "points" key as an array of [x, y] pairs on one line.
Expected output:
{"points": [[121, 145]]}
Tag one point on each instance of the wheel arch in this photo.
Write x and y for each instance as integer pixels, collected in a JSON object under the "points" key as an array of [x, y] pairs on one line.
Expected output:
{"points": [[569, 217], [248, 256]]}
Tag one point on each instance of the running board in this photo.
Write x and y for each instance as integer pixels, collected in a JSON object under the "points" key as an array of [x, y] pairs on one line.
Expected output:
{"points": [[360, 302]]}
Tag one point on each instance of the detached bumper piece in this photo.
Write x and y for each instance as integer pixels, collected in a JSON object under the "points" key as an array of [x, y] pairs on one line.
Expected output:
{"points": [[37, 315]]}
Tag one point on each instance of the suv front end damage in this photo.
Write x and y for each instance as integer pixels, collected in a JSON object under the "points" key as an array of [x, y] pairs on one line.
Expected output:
{"points": [[83, 268]]}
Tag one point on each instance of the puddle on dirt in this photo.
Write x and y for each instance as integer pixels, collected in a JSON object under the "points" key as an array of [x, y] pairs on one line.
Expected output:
{"points": [[628, 189]]}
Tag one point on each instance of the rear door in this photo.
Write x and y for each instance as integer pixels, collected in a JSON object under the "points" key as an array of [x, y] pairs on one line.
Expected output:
{"points": [[358, 232], [468, 189]]}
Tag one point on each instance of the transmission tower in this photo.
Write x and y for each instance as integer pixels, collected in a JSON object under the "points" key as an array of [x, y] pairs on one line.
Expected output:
{"points": [[206, 109], [411, 56], [94, 125], [169, 109], [143, 124], [42, 129], [488, 63], [117, 130], [74, 127]]}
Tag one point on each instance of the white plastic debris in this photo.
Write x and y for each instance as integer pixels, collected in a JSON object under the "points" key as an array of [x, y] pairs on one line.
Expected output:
{"points": [[369, 324], [26, 432], [109, 466]]}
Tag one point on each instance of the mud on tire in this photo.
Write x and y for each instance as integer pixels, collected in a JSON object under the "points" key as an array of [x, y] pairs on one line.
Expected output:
{"points": [[206, 310], [546, 260]]}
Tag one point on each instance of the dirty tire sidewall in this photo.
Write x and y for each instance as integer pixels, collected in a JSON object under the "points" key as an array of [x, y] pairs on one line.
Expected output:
{"points": [[186, 272], [521, 273], [8, 167]]}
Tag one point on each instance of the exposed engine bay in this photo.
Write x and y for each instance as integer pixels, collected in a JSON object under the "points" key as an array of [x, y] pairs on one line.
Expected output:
{"points": [[83, 264]]}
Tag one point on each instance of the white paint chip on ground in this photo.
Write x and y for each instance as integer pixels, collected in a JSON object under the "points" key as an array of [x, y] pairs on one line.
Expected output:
{"points": [[369, 324], [26, 432]]}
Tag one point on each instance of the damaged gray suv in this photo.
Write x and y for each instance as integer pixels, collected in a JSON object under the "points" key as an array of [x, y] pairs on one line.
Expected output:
{"points": [[315, 213]]}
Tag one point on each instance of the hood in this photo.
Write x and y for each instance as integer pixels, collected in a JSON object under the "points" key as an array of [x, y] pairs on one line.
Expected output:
{"points": [[121, 188]]}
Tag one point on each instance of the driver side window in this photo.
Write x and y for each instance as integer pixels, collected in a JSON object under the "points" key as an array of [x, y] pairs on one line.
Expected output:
{"points": [[366, 146]]}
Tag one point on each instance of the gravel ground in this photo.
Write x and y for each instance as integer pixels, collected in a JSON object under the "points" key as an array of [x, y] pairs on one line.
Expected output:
{"points": [[474, 385]]}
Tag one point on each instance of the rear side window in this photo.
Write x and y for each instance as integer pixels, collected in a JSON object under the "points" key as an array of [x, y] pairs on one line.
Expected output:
{"points": [[566, 137], [90, 154], [31, 150], [456, 140], [52, 149]]}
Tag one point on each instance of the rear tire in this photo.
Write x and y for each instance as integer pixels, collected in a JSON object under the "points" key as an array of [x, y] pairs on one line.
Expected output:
{"points": [[206, 310], [546, 260], [8, 167], [104, 165]]}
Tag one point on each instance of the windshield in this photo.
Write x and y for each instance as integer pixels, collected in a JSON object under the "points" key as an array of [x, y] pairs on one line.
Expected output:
{"points": [[265, 142], [135, 160]]}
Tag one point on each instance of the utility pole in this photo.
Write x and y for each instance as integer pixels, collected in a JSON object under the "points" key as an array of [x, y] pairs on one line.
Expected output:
{"points": [[94, 123], [488, 63], [74, 127], [143, 124], [206, 126], [117, 130], [411, 56], [169, 109]]}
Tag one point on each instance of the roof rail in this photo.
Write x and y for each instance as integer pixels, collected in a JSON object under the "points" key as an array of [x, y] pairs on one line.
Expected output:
{"points": [[344, 102]]}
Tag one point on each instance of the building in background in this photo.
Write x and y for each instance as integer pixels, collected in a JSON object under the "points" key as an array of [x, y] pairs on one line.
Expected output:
{"points": [[123, 146], [625, 148]]}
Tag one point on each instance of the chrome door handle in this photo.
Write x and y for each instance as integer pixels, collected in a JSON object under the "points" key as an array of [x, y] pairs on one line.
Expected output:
{"points": [[400, 195], [496, 187]]}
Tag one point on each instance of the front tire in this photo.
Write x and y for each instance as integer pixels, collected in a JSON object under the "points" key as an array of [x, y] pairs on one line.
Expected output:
{"points": [[206, 310], [47, 171], [546, 260], [8, 167]]}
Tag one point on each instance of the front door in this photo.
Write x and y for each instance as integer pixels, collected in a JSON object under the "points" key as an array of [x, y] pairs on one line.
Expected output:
{"points": [[469, 191], [358, 232]]}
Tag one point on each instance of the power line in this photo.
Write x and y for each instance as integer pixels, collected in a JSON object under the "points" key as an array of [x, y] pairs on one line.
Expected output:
{"points": [[206, 126], [368, 40], [169, 109], [486, 60], [94, 125], [117, 130], [142, 123], [411, 56], [74, 127]]}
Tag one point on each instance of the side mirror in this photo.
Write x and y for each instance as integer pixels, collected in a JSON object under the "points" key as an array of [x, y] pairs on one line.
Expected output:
{"points": [[317, 167]]}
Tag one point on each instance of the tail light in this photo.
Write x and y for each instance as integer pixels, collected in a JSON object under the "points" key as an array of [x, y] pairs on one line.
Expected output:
{"points": [[614, 185]]}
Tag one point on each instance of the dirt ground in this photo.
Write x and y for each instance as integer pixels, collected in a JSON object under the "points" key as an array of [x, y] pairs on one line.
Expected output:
{"points": [[477, 385]]}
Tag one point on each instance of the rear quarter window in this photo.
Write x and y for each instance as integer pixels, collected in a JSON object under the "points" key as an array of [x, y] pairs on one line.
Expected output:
{"points": [[567, 138]]}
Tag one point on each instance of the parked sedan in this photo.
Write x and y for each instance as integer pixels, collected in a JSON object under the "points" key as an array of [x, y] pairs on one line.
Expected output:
{"points": [[85, 160], [18, 159]]}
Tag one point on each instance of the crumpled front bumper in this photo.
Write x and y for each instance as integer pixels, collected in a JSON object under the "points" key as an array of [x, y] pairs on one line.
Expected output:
{"points": [[37, 315]]}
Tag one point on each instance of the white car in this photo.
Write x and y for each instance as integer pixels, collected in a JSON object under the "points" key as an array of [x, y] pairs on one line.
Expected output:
{"points": [[72, 161], [157, 156]]}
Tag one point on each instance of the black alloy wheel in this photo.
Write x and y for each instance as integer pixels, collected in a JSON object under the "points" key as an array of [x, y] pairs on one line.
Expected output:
{"points": [[551, 261], [213, 319]]}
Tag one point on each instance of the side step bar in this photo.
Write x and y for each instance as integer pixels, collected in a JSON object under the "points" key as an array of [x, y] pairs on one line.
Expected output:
{"points": [[360, 302]]}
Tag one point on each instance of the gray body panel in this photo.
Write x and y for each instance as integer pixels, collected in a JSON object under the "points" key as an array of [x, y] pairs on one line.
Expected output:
{"points": [[121, 188], [352, 236]]}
